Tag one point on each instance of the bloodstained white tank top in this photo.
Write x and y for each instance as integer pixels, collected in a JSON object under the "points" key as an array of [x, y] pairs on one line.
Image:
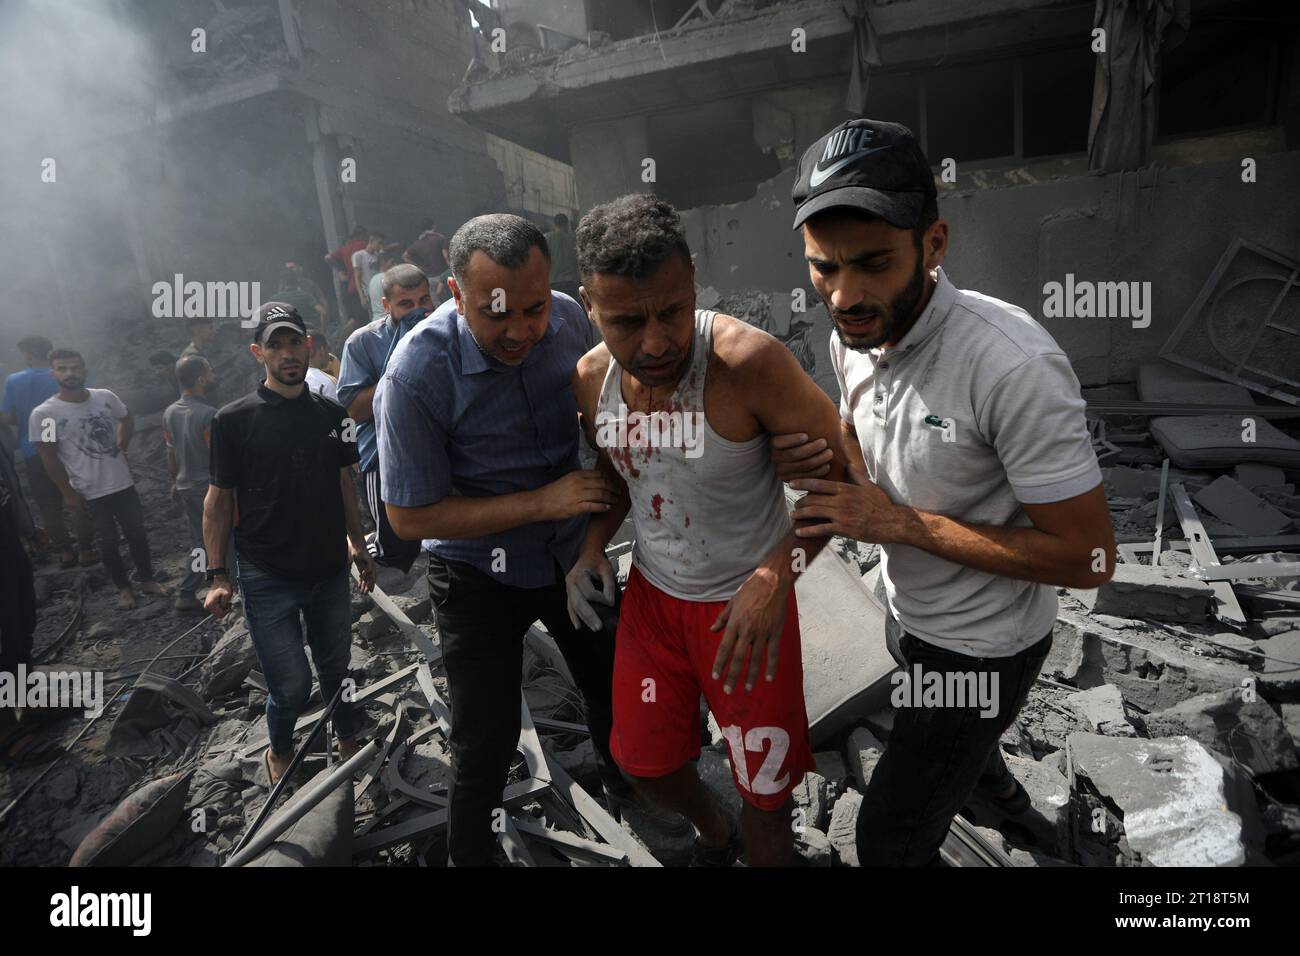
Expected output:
{"points": [[706, 510]]}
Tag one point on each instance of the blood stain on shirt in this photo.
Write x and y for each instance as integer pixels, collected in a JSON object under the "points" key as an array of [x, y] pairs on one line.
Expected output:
{"points": [[657, 502]]}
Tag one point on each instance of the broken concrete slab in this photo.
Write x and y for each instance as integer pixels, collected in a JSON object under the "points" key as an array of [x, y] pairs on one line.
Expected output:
{"points": [[231, 659], [813, 847], [843, 829], [1291, 719], [373, 625], [1139, 591], [1279, 675], [863, 751], [1101, 710], [1227, 500], [1152, 672], [1252, 474], [1246, 730], [1158, 802], [1121, 481], [1043, 825], [811, 795]]}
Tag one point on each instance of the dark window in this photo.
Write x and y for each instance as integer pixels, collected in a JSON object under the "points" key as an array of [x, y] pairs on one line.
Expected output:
{"points": [[1219, 77], [970, 112], [1057, 100]]}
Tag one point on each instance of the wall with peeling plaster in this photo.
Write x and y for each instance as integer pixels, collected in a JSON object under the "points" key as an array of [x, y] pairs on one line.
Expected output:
{"points": [[1167, 226]]}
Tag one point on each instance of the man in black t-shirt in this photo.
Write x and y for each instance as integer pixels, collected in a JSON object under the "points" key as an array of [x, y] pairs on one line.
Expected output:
{"points": [[281, 460]]}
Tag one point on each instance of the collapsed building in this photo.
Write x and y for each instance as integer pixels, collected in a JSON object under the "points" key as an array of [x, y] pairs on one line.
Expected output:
{"points": [[1163, 730]]}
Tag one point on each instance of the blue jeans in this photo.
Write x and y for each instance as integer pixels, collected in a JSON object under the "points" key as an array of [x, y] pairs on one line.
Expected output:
{"points": [[277, 609]]}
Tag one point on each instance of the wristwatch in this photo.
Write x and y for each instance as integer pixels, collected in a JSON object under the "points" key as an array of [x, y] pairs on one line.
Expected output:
{"points": [[215, 572]]}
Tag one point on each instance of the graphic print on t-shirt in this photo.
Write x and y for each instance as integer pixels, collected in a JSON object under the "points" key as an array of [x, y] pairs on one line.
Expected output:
{"points": [[94, 435]]}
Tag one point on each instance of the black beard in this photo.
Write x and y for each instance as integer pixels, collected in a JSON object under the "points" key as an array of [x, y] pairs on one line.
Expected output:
{"points": [[899, 315], [275, 374], [72, 384]]}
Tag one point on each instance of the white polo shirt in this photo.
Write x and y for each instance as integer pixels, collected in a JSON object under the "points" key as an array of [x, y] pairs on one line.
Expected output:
{"points": [[975, 411]]}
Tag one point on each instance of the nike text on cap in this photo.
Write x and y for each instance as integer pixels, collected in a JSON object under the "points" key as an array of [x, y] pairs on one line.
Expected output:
{"points": [[865, 164], [277, 315]]}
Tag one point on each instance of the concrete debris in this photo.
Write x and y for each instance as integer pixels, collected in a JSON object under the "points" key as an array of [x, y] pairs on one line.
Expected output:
{"points": [[1152, 672], [373, 625], [842, 831], [1101, 710], [231, 659], [811, 796], [1251, 475], [1279, 676], [1230, 502], [1139, 591], [1150, 803], [1248, 731], [814, 847]]}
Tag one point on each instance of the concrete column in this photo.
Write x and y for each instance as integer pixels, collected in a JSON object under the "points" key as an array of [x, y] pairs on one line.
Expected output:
{"points": [[607, 160]]}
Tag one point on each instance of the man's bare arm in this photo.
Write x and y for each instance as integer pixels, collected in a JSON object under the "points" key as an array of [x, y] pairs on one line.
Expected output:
{"points": [[362, 407], [218, 517], [125, 430], [785, 400], [49, 452]]}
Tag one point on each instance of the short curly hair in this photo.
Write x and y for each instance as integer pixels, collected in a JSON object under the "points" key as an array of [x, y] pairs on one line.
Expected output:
{"points": [[630, 236]]}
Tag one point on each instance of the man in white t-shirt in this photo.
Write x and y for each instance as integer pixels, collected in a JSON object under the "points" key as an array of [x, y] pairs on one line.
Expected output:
{"points": [[82, 435], [970, 466], [364, 263]]}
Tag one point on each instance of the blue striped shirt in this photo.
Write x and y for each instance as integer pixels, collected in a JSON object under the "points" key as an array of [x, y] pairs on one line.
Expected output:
{"points": [[452, 420]]}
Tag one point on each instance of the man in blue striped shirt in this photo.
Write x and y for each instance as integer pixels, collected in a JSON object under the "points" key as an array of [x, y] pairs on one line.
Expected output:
{"points": [[477, 430]]}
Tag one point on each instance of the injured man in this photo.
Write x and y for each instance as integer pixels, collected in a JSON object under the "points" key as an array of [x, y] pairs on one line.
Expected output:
{"points": [[681, 405]]}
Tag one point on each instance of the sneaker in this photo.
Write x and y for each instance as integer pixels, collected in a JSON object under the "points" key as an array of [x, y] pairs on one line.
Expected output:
{"points": [[626, 797], [703, 855]]}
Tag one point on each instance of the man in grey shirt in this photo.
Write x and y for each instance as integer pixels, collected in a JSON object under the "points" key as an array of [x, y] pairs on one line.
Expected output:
{"points": [[970, 465], [187, 425]]}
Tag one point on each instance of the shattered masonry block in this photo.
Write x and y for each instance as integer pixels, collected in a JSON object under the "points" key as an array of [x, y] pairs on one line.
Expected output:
{"points": [[1049, 796], [1279, 679], [1248, 731], [863, 751], [373, 624], [1151, 670], [231, 659], [1139, 591], [1101, 709], [814, 847], [1230, 502], [1253, 474], [1121, 481], [1159, 802], [812, 797], [843, 829]]}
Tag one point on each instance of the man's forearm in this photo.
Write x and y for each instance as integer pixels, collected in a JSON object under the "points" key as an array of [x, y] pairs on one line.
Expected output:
{"points": [[857, 465], [603, 526], [54, 468], [362, 407], [351, 514], [218, 514], [457, 516], [1025, 554], [790, 558], [125, 429]]}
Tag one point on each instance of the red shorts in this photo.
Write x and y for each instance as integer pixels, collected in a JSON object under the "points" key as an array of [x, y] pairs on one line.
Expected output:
{"points": [[662, 662]]}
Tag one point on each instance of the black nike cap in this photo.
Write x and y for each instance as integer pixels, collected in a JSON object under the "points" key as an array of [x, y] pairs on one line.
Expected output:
{"points": [[868, 165]]}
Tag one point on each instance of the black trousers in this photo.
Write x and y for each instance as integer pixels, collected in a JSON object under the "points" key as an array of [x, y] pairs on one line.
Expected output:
{"points": [[122, 510], [482, 623], [938, 755], [49, 501]]}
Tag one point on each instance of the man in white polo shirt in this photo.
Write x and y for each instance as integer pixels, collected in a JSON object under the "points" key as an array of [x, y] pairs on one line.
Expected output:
{"points": [[971, 467]]}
